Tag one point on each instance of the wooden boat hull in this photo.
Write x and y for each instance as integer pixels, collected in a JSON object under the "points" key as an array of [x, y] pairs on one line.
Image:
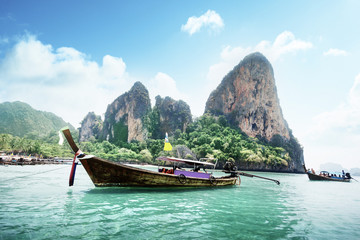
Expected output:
{"points": [[104, 173], [316, 177]]}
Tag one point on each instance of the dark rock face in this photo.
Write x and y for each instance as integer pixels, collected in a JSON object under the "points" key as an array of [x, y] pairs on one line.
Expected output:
{"points": [[173, 115], [124, 117], [91, 127], [247, 97]]}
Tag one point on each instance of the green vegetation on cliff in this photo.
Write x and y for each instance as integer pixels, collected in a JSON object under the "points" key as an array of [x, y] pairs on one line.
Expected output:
{"points": [[213, 138], [207, 136], [20, 119], [152, 123]]}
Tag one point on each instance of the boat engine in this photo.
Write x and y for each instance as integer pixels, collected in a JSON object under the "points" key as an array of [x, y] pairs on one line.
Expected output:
{"points": [[230, 166], [347, 175]]}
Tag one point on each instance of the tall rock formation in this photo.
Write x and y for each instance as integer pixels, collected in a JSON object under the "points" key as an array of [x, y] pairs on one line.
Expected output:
{"points": [[91, 127], [172, 114], [247, 97], [124, 117]]}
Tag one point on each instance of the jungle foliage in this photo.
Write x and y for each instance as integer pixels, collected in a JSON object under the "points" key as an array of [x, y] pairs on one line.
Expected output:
{"points": [[20, 119], [207, 136], [25, 146]]}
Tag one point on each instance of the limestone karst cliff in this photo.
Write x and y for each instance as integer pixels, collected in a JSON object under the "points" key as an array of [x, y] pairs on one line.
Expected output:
{"points": [[247, 97], [91, 127], [172, 114], [124, 116]]}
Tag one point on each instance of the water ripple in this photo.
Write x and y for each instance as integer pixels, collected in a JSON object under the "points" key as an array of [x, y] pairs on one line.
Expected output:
{"points": [[42, 206]]}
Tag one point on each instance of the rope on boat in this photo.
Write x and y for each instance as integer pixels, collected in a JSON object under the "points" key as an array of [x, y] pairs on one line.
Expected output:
{"points": [[213, 180], [354, 179], [33, 174]]}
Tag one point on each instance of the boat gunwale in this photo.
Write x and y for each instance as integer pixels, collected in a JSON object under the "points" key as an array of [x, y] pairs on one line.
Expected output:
{"points": [[324, 178], [89, 157], [186, 161]]}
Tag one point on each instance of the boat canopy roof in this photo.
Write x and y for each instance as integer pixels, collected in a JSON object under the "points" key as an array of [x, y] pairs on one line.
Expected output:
{"points": [[331, 172], [187, 161]]}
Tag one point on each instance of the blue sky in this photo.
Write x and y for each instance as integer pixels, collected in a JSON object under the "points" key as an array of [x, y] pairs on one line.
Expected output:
{"points": [[72, 57]]}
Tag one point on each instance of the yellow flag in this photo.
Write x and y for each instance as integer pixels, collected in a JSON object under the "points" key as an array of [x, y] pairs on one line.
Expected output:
{"points": [[167, 146]]}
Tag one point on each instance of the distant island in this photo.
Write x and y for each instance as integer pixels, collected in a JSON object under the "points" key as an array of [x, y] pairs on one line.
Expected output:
{"points": [[242, 122], [335, 167]]}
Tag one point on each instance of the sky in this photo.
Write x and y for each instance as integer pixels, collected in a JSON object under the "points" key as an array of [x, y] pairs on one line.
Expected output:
{"points": [[73, 57]]}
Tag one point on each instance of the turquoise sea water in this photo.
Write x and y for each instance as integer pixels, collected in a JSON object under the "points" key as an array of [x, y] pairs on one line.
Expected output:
{"points": [[36, 203]]}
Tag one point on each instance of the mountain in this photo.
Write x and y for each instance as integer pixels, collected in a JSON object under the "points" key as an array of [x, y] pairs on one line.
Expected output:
{"points": [[355, 171], [130, 117], [20, 119], [247, 97], [91, 127], [172, 115], [336, 167], [332, 167], [124, 116]]}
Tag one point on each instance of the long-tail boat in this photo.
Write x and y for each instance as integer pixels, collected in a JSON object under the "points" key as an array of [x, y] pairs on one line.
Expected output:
{"points": [[326, 176], [105, 173]]}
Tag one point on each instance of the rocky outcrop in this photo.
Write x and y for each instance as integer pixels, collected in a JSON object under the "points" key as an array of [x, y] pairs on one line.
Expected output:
{"points": [[247, 97], [181, 151], [124, 117], [173, 115], [91, 127]]}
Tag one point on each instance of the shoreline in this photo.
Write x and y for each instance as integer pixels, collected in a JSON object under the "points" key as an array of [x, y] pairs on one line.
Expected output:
{"points": [[29, 160], [57, 161]]}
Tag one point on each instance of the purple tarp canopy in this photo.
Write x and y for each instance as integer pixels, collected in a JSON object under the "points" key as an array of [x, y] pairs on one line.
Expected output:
{"points": [[187, 161]]}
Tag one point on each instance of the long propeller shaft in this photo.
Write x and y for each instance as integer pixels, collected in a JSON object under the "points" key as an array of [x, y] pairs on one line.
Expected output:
{"points": [[251, 175]]}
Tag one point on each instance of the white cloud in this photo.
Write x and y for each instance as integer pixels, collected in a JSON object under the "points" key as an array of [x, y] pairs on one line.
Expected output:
{"points": [[284, 43], [230, 57], [164, 85], [337, 132], [335, 52], [209, 19], [113, 70], [63, 81], [29, 60], [354, 94], [344, 118]]}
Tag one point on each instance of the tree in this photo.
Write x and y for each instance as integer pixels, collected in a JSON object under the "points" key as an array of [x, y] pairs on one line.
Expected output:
{"points": [[107, 147], [146, 156], [5, 142]]}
